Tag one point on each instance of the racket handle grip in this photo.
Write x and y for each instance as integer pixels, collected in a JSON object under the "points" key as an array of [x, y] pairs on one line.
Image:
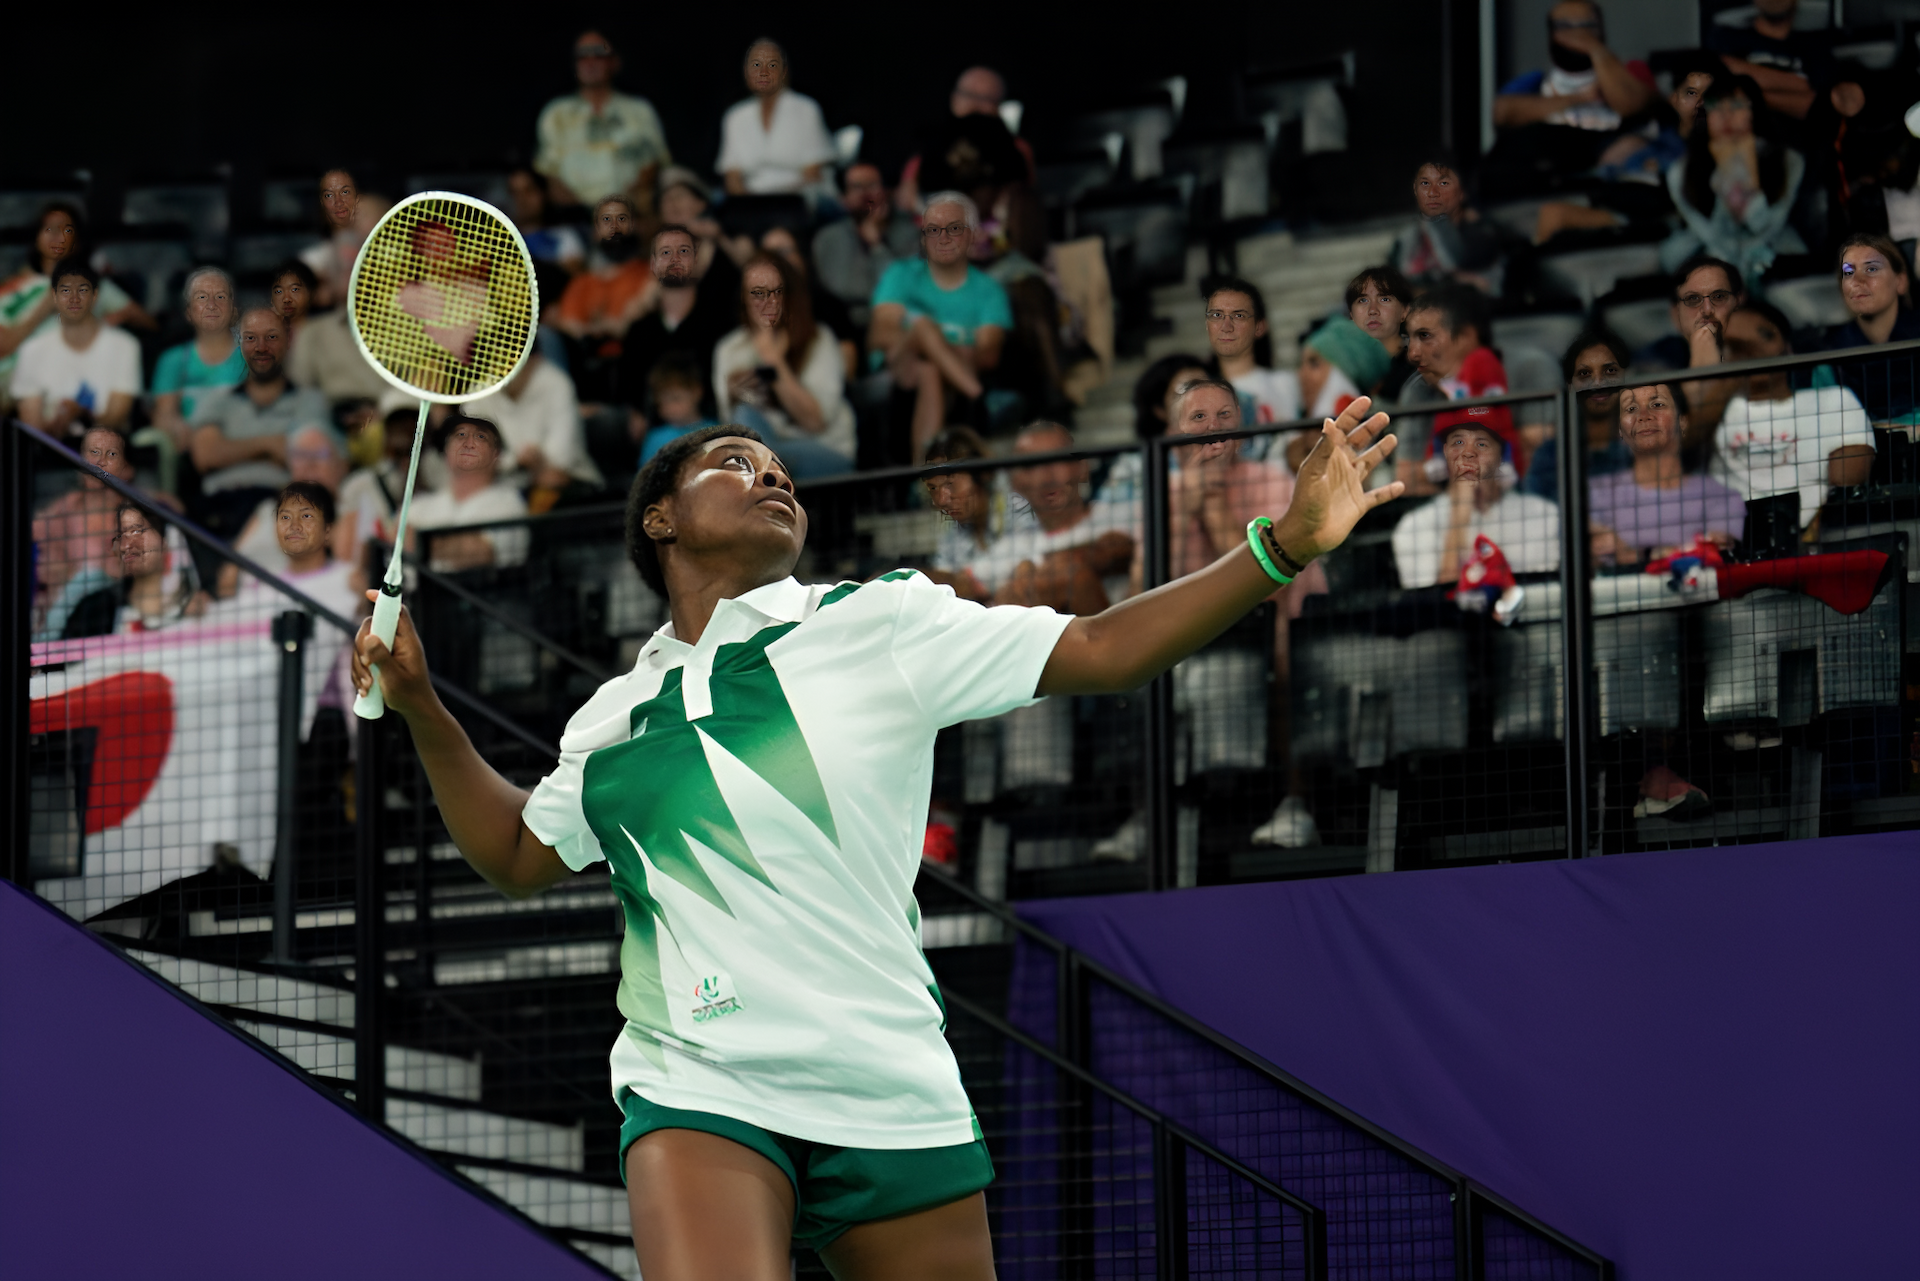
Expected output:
{"points": [[370, 706]]}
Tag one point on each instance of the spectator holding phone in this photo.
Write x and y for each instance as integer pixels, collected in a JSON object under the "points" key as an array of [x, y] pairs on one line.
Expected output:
{"points": [[780, 373]]}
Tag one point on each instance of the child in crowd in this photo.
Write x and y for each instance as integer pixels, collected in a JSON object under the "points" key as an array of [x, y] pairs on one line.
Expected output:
{"points": [[676, 388]]}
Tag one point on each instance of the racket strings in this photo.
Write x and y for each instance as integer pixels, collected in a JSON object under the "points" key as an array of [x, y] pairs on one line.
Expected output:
{"points": [[443, 298]]}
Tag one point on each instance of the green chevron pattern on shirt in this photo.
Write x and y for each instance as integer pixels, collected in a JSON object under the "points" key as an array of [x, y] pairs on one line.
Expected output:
{"points": [[656, 792]]}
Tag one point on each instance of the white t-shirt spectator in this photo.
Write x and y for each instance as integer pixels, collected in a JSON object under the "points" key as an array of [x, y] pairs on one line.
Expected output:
{"points": [[822, 374], [1525, 527], [1025, 540], [547, 415], [89, 376], [771, 159], [441, 510], [1768, 447]]}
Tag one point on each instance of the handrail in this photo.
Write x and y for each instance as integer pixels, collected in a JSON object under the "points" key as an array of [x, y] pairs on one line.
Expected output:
{"points": [[196, 534], [1065, 953]]}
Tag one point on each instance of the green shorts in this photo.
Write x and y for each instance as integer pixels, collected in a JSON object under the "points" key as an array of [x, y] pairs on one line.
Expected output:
{"points": [[833, 1188]]}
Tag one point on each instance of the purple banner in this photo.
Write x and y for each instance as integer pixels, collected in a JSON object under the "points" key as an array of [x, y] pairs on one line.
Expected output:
{"points": [[139, 1137], [1698, 1063]]}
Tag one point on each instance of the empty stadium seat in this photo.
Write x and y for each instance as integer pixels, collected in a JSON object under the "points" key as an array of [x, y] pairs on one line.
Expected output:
{"points": [[263, 251], [1639, 322], [20, 209], [1550, 333], [152, 269], [289, 202], [1229, 167], [490, 186], [1811, 302], [1592, 273], [200, 207]]}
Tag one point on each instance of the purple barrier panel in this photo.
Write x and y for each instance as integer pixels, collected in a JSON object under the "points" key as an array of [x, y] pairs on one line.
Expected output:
{"points": [[140, 1137], [1699, 1063]]}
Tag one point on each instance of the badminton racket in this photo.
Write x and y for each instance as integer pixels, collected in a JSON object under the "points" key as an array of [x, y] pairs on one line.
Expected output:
{"points": [[443, 303]]}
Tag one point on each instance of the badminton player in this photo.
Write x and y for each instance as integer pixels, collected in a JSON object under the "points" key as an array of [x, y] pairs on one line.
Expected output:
{"points": [[759, 784]]}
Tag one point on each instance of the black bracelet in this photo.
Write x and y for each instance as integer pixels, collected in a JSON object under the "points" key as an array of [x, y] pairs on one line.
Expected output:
{"points": [[1293, 566]]}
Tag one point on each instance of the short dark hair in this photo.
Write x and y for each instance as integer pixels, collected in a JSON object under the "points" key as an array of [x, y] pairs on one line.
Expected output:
{"points": [[675, 369], [75, 265], [1772, 315], [313, 494], [957, 444], [666, 227], [299, 270], [1695, 263], [1668, 380], [444, 432], [658, 480], [1462, 305], [1386, 277], [1594, 335], [126, 442], [1150, 392]]}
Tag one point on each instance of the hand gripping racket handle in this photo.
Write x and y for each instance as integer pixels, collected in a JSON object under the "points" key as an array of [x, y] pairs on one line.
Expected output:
{"points": [[370, 706]]}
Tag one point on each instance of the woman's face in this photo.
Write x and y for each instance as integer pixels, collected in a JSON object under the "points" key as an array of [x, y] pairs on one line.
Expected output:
{"points": [[765, 294], [680, 206], [766, 70], [291, 298], [300, 528], [1868, 282], [57, 234], [1314, 369], [142, 548], [946, 234], [734, 507], [1650, 420], [1379, 311], [960, 497], [1730, 119], [210, 305], [338, 197]]}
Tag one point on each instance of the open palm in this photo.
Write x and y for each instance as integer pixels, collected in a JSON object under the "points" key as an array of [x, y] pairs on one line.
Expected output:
{"points": [[1330, 494]]}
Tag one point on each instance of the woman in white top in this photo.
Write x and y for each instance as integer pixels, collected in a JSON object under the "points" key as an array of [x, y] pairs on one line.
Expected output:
{"points": [[780, 373], [775, 141]]}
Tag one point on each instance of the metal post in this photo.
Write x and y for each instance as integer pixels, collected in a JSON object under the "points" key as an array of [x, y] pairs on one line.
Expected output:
{"points": [[369, 920], [1576, 623], [1158, 814], [1169, 1205], [16, 621], [290, 633], [1076, 1128]]}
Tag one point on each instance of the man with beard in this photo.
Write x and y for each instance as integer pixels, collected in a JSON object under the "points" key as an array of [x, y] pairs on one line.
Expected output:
{"points": [[1595, 365], [693, 304], [601, 302]]}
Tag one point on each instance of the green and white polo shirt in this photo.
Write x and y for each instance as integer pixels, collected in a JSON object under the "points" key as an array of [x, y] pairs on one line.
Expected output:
{"points": [[762, 799]]}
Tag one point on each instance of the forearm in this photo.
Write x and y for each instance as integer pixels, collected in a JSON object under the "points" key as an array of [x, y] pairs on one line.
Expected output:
{"points": [[1452, 547], [212, 450], [481, 809], [801, 405], [1127, 645], [954, 367], [119, 411], [1622, 92], [1512, 110], [1849, 465]]}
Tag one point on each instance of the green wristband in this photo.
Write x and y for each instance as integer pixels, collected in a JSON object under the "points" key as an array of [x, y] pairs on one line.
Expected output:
{"points": [[1255, 527]]}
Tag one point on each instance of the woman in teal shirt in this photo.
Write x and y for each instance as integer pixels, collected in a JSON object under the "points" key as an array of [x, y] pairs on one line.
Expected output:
{"points": [[212, 361]]}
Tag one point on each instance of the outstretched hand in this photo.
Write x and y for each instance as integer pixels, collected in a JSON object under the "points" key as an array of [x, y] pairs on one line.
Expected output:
{"points": [[1330, 494]]}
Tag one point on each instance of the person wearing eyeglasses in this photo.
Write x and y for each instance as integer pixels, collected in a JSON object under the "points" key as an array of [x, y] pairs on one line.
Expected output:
{"points": [[161, 585], [939, 322], [780, 372], [598, 142], [1705, 292]]}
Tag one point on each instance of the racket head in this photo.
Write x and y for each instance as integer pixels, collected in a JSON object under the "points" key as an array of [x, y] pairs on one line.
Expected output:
{"points": [[442, 300]]}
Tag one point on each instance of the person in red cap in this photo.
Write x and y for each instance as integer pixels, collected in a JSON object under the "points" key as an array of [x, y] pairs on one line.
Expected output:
{"points": [[1477, 448]]}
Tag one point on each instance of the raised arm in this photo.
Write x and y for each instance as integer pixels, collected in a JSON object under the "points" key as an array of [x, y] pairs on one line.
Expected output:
{"points": [[1124, 647], [480, 808]]}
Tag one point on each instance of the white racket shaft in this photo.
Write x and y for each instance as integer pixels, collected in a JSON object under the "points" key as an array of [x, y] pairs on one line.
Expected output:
{"points": [[371, 706]]}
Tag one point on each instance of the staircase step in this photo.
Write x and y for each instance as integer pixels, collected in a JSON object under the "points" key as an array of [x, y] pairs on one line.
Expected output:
{"points": [[558, 1202], [472, 1132], [421, 1071], [251, 989]]}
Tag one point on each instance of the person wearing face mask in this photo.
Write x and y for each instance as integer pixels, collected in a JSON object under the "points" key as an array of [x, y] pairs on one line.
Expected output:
{"points": [[1875, 285], [1556, 122]]}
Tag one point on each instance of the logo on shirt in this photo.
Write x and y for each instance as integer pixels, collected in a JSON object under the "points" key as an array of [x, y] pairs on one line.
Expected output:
{"points": [[713, 997]]}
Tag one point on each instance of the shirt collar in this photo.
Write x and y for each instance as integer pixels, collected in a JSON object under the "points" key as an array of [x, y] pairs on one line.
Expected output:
{"points": [[783, 602]]}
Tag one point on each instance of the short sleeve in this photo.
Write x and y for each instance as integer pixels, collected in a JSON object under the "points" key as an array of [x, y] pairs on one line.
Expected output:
{"points": [[125, 376], [170, 374], [30, 374], [555, 815], [112, 298], [894, 286], [547, 159], [732, 154], [963, 661], [819, 147]]}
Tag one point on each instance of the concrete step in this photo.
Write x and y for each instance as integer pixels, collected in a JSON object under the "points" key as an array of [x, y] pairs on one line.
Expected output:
{"points": [[473, 1132], [421, 1071], [557, 1201], [252, 990]]}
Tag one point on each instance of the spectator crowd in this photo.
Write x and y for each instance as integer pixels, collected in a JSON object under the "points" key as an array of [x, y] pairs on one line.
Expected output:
{"points": [[857, 319]]}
